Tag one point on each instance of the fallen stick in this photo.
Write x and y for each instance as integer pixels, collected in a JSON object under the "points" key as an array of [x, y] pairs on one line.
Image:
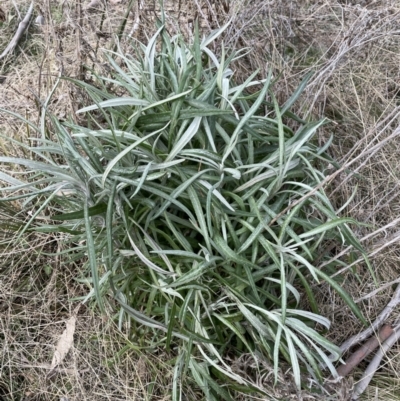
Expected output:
{"points": [[355, 358], [361, 386], [394, 302], [375, 326], [23, 25]]}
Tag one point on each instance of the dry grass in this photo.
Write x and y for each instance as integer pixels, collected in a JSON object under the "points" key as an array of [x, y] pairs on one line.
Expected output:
{"points": [[36, 300], [354, 50]]}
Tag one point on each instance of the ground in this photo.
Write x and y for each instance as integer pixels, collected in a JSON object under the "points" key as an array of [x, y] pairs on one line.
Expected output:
{"points": [[354, 50]]}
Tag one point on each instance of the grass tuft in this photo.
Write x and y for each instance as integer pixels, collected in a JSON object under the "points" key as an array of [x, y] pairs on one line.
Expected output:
{"points": [[196, 208]]}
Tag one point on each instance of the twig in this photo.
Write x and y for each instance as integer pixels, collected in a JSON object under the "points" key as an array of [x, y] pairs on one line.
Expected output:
{"points": [[374, 364], [23, 25], [378, 290], [356, 357], [395, 301], [377, 248], [16, 9], [137, 19]]}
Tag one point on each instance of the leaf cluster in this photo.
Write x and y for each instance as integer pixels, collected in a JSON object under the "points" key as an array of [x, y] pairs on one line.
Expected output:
{"points": [[187, 197]]}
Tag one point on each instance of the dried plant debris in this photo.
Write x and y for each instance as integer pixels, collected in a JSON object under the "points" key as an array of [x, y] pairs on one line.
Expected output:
{"points": [[64, 344]]}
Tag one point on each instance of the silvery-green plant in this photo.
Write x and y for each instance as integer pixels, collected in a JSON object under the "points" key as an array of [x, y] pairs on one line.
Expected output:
{"points": [[183, 195]]}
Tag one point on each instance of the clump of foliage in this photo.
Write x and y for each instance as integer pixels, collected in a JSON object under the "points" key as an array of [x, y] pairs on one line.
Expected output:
{"points": [[186, 196]]}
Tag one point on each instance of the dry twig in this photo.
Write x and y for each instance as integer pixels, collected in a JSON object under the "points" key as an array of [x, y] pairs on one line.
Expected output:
{"points": [[23, 25], [382, 317], [374, 364], [356, 357], [139, 7]]}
